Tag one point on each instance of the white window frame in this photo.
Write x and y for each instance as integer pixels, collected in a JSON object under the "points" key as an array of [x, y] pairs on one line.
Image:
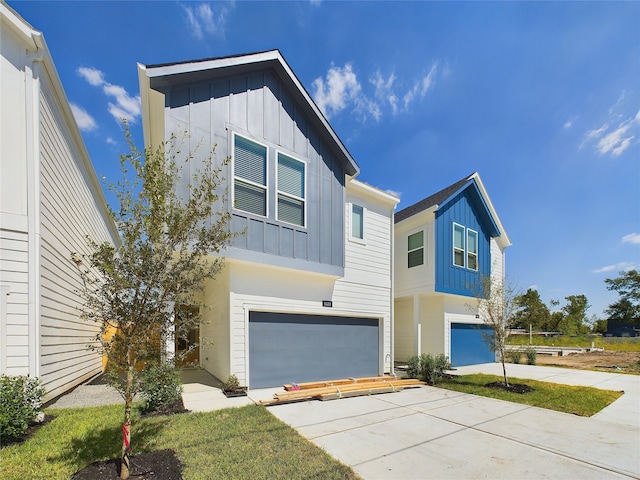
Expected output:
{"points": [[464, 245], [285, 194], [409, 251], [364, 222], [264, 187], [468, 252]]}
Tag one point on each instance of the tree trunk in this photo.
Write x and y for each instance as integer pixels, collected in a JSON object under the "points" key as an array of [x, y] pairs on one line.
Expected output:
{"points": [[126, 427], [504, 368]]}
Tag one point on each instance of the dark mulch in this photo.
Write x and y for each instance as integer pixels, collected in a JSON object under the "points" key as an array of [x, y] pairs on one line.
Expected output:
{"points": [[175, 407], [512, 387], [159, 465]]}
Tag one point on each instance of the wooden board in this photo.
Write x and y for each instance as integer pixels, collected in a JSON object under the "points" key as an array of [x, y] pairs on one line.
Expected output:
{"points": [[342, 381]]}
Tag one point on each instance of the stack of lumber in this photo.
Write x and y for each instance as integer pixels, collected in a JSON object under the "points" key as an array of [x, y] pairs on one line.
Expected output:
{"points": [[333, 389]]}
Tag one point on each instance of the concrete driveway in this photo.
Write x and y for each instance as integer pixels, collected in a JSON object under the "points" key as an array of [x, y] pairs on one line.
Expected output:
{"points": [[428, 432]]}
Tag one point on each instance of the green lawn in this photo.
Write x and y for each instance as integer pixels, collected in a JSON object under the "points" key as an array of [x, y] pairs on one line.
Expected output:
{"points": [[583, 401], [626, 344], [238, 443]]}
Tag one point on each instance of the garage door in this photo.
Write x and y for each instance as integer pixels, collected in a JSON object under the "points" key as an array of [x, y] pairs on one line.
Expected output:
{"points": [[468, 346], [286, 348]]}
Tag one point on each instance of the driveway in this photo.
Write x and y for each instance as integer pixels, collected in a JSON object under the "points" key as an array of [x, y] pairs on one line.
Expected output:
{"points": [[428, 432]]}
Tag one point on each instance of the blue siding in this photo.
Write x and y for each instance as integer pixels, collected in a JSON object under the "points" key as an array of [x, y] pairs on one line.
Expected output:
{"points": [[467, 209], [259, 107]]}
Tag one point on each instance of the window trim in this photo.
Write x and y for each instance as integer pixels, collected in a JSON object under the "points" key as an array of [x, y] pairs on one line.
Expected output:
{"points": [[468, 252], [363, 220], [288, 195], [246, 181], [464, 246], [421, 247]]}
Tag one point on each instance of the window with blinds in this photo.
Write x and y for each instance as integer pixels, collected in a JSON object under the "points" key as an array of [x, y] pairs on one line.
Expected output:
{"points": [[415, 248], [249, 176], [472, 249], [291, 190], [458, 245]]}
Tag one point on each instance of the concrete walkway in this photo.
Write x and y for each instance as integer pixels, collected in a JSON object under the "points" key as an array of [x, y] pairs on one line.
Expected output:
{"points": [[428, 432]]}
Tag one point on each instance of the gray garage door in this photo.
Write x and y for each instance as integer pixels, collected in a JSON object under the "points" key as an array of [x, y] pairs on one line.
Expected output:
{"points": [[286, 348], [468, 346]]}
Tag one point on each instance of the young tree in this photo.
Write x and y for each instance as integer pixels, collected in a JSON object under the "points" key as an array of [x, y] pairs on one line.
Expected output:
{"points": [[497, 305], [627, 307], [171, 241]]}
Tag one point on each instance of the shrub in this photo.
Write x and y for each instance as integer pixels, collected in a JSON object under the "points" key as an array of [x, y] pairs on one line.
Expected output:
{"points": [[513, 356], [427, 368], [413, 366], [161, 386], [20, 402], [532, 356], [231, 384]]}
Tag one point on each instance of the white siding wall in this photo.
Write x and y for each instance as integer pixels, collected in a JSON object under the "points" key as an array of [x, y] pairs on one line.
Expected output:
{"points": [[419, 279], [497, 260], [404, 329], [69, 211], [14, 239], [215, 351]]}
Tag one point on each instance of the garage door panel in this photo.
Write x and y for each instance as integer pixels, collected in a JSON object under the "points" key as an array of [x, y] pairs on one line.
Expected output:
{"points": [[468, 346], [285, 348]]}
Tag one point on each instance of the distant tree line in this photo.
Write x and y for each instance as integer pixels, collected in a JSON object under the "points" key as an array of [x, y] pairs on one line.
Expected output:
{"points": [[571, 318]]}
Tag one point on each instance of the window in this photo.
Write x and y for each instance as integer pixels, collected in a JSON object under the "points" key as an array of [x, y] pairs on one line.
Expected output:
{"points": [[357, 221], [465, 247], [415, 244], [458, 245], [249, 176], [472, 249], [290, 190]]}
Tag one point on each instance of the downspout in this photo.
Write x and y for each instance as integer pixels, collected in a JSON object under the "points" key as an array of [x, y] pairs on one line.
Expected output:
{"points": [[32, 124]]}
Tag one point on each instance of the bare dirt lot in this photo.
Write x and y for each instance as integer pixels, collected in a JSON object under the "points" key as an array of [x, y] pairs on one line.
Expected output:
{"points": [[610, 361]]}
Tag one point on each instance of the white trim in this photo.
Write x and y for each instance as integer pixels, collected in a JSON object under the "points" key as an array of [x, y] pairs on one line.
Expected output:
{"points": [[423, 247], [467, 250], [464, 245], [278, 191]]}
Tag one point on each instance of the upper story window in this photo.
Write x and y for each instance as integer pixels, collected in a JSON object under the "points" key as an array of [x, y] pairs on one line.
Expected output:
{"points": [[472, 249], [249, 176], [458, 245], [415, 248], [357, 221], [291, 190], [465, 247]]}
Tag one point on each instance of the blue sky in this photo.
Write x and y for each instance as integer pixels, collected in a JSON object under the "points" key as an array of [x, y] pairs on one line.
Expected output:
{"points": [[541, 98]]}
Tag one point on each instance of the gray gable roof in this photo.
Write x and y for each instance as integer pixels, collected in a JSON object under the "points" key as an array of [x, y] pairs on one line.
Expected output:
{"points": [[435, 199]]}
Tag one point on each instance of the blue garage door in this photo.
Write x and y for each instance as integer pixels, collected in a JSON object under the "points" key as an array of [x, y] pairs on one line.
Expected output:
{"points": [[468, 346], [288, 348]]}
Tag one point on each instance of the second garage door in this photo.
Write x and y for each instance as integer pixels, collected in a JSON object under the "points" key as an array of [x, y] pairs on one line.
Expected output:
{"points": [[292, 348], [468, 346]]}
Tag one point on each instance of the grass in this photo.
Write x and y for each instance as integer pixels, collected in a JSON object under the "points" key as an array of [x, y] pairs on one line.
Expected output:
{"points": [[583, 401], [622, 344], [238, 443]]}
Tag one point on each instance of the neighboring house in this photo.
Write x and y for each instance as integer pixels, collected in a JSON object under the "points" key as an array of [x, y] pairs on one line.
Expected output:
{"points": [[444, 245], [50, 199], [305, 293]]}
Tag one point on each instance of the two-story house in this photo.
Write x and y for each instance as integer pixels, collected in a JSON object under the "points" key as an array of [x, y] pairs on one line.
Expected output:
{"points": [[305, 293], [444, 245], [50, 199]]}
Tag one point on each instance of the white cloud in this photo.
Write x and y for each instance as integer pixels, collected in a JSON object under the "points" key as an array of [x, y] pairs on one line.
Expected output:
{"points": [[617, 267], [203, 19], [568, 124], [85, 122], [125, 105], [93, 76], [633, 238], [340, 88], [615, 140]]}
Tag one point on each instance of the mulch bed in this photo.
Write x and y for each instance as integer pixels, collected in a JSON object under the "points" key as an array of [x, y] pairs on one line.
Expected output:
{"points": [[512, 387], [159, 465]]}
